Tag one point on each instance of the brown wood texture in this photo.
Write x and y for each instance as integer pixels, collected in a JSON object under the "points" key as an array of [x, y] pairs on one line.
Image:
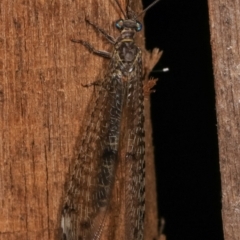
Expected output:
{"points": [[42, 105], [225, 39]]}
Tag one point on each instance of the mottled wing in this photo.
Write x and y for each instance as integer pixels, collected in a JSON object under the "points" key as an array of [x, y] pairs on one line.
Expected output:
{"points": [[133, 140], [91, 181]]}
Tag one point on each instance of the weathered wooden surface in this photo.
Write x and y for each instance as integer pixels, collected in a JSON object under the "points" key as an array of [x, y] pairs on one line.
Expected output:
{"points": [[225, 36], [42, 105]]}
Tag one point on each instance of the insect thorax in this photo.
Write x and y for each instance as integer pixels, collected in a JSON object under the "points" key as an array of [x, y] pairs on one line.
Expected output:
{"points": [[127, 54]]}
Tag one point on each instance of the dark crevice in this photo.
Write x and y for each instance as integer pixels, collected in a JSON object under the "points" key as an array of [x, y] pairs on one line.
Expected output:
{"points": [[184, 121]]}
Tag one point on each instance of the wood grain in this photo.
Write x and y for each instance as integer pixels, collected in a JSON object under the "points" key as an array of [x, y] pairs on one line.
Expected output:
{"points": [[42, 104], [225, 36]]}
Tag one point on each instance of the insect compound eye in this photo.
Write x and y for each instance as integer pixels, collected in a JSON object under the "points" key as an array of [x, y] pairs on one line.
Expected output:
{"points": [[119, 24], [138, 26]]}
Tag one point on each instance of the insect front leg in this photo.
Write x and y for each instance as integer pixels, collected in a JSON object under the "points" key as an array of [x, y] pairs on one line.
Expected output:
{"points": [[102, 31]]}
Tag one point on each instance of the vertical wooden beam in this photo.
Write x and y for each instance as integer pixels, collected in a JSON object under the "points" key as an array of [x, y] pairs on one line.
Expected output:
{"points": [[42, 105], [225, 41]]}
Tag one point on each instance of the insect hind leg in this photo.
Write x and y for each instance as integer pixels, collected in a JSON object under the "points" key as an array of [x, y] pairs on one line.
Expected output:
{"points": [[95, 83]]}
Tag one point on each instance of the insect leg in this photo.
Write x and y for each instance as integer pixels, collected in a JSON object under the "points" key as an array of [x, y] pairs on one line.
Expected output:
{"points": [[95, 83], [102, 31], [92, 49]]}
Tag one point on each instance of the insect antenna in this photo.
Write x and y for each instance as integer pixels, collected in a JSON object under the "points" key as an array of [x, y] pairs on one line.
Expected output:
{"points": [[144, 10], [130, 13], [125, 16]]}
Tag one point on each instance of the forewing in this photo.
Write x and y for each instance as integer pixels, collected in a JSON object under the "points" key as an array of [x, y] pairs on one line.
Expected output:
{"points": [[91, 181], [134, 156]]}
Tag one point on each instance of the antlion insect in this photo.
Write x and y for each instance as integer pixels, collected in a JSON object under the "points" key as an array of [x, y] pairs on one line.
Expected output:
{"points": [[111, 155]]}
